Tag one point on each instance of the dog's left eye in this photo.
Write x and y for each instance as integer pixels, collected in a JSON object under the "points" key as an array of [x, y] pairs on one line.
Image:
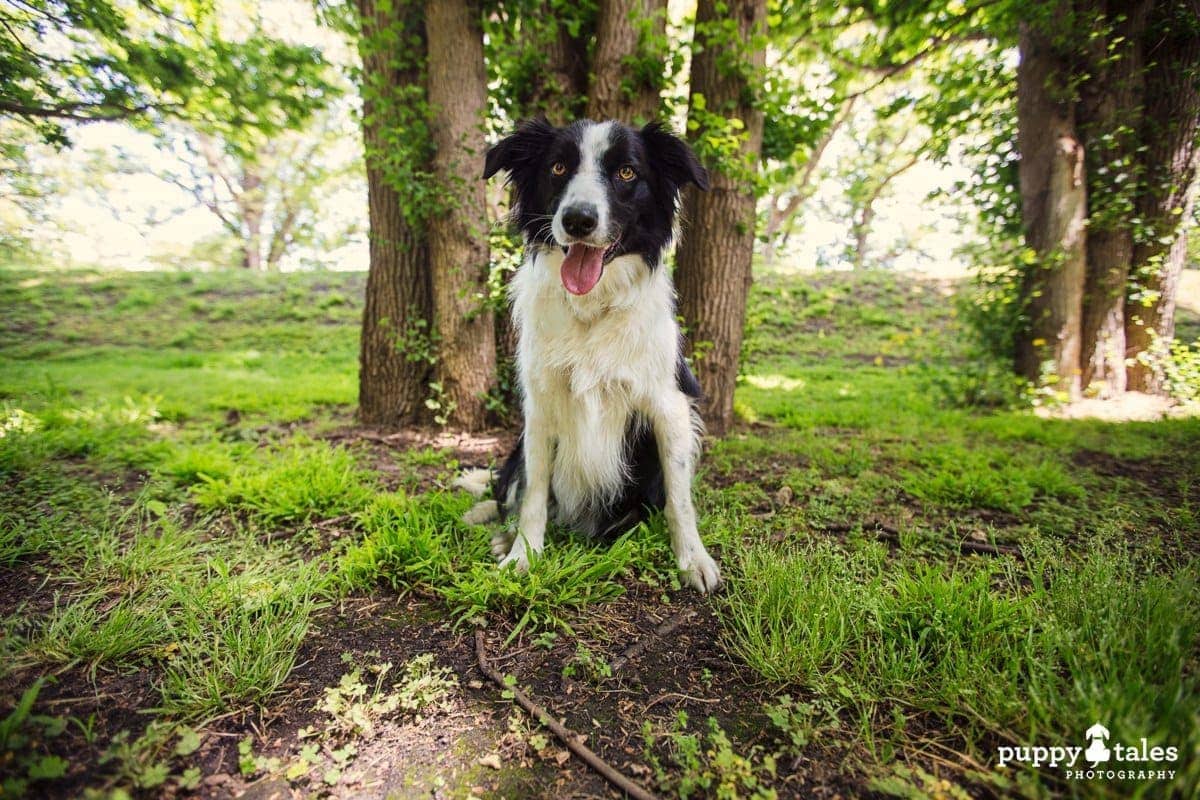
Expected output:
{"points": [[626, 173]]}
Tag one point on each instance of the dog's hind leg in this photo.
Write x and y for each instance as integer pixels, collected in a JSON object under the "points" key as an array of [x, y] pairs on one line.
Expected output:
{"points": [[476, 482], [676, 431]]}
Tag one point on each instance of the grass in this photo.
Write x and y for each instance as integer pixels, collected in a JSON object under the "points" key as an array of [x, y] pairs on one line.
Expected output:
{"points": [[164, 480], [422, 544]]}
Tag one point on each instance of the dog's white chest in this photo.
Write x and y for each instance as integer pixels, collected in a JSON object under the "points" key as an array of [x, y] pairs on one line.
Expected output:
{"points": [[589, 366]]}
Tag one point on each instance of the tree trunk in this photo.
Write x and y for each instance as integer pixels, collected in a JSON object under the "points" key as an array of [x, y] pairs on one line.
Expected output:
{"points": [[392, 383], [802, 188], [714, 258], [250, 203], [458, 235], [861, 228], [1054, 209], [559, 88], [622, 88], [1169, 141], [1109, 115]]}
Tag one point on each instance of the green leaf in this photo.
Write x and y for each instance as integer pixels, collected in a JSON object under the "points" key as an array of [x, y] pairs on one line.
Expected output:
{"points": [[48, 768], [190, 778], [189, 742]]}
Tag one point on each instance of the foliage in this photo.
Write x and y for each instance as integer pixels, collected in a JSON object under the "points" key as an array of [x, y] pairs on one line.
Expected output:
{"points": [[519, 38], [707, 763], [164, 57], [18, 731]]}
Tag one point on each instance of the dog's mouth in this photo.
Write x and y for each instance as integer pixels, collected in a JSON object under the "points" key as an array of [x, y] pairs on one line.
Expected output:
{"points": [[583, 266]]}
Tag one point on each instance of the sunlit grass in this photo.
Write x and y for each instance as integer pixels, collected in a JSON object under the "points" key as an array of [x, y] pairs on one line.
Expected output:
{"points": [[160, 497]]}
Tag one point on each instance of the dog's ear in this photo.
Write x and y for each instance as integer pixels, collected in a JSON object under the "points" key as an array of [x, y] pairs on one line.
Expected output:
{"points": [[521, 149], [672, 157]]}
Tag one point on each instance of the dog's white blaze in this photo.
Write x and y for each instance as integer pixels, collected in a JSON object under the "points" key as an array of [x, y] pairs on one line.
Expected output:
{"points": [[587, 363], [588, 184]]}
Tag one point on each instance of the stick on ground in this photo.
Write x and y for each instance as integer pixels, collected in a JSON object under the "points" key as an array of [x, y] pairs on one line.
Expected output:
{"points": [[664, 628], [572, 740]]}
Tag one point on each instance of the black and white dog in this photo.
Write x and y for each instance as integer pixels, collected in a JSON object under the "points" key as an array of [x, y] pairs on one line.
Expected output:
{"points": [[611, 430]]}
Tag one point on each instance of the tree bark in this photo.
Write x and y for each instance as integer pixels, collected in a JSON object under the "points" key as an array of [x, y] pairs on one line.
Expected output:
{"points": [[1109, 115], [250, 203], [713, 271], [1054, 214], [392, 384], [559, 88], [1169, 141], [861, 226], [458, 236], [618, 91]]}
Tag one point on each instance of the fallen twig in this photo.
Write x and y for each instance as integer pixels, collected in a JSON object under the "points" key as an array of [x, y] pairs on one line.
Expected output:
{"points": [[983, 548], [664, 628], [663, 697], [332, 521], [572, 740], [890, 534]]}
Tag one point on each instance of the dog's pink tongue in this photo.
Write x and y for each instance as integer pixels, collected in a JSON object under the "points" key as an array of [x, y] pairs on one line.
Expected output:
{"points": [[581, 268]]}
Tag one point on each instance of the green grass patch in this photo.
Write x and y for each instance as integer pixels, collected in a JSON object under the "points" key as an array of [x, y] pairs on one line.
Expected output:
{"points": [[422, 543], [291, 483], [990, 648]]}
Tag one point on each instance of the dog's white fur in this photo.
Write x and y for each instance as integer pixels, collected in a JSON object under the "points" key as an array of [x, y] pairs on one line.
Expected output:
{"points": [[587, 186], [586, 363]]}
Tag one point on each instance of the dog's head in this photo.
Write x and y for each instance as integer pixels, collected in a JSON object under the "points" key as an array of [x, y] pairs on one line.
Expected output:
{"points": [[598, 190]]}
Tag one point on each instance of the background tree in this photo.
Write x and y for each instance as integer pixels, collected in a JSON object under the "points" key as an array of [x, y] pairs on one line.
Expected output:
{"points": [[1054, 205], [713, 261], [75, 61], [458, 236], [891, 147], [794, 177], [629, 65], [1170, 150], [269, 193], [396, 350]]}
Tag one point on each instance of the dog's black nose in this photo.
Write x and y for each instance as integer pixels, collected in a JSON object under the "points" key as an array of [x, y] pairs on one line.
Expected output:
{"points": [[580, 220]]}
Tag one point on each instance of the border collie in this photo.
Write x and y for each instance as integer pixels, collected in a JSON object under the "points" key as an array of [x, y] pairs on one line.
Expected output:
{"points": [[611, 430]]}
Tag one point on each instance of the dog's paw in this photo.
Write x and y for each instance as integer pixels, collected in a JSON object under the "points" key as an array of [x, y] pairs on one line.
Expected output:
{"points": [[482, 513], [502, 543], [700, 572], [517, 560]]}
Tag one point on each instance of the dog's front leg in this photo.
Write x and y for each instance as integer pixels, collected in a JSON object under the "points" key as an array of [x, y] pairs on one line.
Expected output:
{"points": [[677, 449], [535, 500]]}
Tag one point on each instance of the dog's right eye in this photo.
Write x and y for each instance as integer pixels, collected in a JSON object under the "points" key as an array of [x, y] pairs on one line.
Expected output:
{"points": [[559, 169]]}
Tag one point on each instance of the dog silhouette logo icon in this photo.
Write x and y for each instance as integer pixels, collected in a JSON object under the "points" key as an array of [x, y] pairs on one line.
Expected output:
{"points": [[1097, 751]]}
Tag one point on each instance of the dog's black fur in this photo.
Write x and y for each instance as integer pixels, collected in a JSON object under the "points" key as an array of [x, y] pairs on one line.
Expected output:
{"points": [[644, 211]]}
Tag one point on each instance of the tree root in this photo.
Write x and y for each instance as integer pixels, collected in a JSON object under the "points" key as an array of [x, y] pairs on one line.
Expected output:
{"points": [[572, 740]]}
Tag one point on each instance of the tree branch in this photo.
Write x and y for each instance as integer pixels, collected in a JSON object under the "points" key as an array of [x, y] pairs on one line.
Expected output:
{"points": [[70, 111]]}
